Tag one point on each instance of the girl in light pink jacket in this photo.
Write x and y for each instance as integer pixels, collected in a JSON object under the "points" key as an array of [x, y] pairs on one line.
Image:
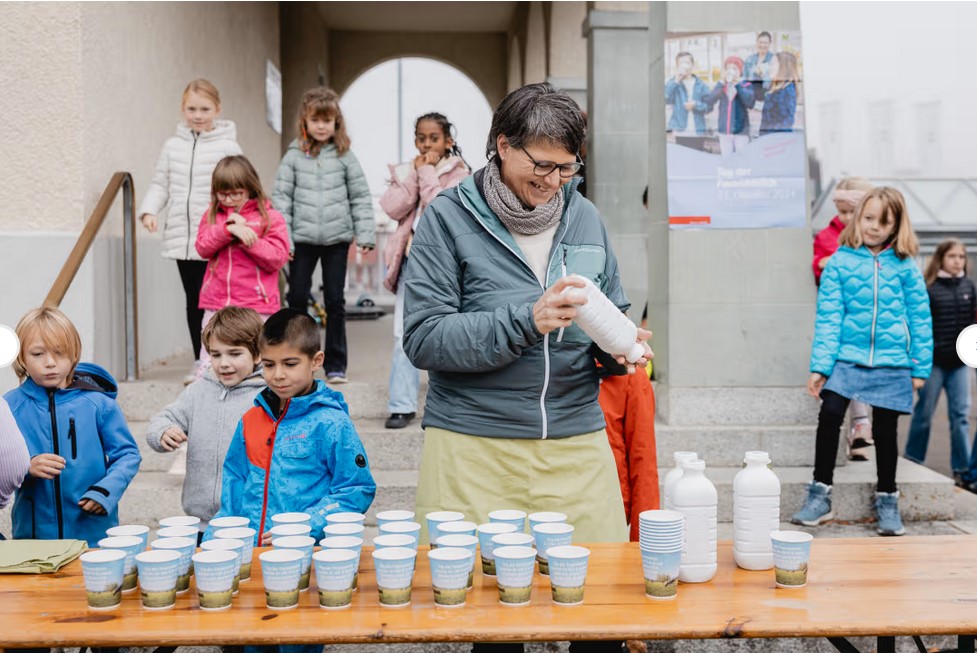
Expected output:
{"points": [[245, 242], [438, 166]]}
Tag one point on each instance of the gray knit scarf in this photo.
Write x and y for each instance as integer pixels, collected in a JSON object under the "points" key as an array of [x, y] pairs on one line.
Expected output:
{"points": [[511, 211]]}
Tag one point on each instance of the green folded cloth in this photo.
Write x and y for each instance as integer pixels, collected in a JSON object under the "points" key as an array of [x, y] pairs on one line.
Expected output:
{"points": [[38, 556]]}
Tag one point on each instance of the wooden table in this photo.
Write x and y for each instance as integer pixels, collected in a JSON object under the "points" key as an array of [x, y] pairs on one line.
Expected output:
{"points": [[881, 587]]}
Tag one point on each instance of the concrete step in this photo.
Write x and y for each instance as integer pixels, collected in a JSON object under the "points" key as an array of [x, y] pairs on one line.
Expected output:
{"points": [[150, 497], [789, 445], [391, 448], [152, 461]]}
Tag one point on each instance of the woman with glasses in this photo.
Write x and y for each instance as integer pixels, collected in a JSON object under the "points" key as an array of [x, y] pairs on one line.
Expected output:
{"points": [[512, 418]]}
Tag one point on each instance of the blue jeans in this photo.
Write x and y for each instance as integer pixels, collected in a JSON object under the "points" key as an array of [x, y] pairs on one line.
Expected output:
{"points": [[957, 385], [405, 380]]}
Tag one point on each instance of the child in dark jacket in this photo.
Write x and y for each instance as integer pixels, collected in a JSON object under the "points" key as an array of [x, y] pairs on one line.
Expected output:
{"points": [[735, 97], [953, 302], [83, 456]]}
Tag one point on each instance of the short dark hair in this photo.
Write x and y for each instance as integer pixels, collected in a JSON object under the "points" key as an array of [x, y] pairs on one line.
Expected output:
{"points": [[762, 34], [535, 113], [292, 327], [683, 53]]}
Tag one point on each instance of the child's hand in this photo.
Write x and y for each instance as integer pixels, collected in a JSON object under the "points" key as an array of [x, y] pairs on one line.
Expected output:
{"points": [[823, 262], [643, 337], [815, 383], [690, 105], [265, 539], [92, 507], [236, 218], [918, 383], [245, 234], [149, 221], [364, 249], [46, 465], [172, 438]]}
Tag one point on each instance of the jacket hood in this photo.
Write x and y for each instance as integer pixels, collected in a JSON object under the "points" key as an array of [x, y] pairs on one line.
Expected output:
{"points": [[296, 145], [223, 130], [249, 209], [863, 252], [88, 377], [321, 397]]}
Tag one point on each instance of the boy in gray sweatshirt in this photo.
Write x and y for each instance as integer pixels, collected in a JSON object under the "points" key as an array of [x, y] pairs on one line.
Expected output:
{"points": [[208, 410]]}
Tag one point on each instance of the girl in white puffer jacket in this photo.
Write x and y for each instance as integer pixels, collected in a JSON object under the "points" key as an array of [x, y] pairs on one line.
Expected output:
{"points": [[181, 185]]}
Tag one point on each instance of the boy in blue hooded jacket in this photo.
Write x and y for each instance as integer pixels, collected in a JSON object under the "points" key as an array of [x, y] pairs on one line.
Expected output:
{"points": [[296, 450], [83, 456]]}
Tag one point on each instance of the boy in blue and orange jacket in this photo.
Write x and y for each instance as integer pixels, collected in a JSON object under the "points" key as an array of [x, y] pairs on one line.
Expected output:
{"points": [[296, 450]]}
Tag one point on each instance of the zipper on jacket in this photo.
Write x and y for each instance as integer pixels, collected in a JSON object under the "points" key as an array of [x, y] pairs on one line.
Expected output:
{"points": [[73, 438], [57, 452], [875, 310], [270, 443], [33, 518], [193, 154], [559, 338], [230, 269], [260, 288]]}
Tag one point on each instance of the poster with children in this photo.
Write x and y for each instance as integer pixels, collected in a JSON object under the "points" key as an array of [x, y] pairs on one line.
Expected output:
{"points": [[734, 112]]}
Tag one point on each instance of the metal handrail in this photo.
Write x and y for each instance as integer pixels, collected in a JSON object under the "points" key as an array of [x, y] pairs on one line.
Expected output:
{"points": [[71, 265]]}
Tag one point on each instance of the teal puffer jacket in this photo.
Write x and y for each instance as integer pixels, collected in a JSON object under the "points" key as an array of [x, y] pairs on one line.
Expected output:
{"points": [[325, 199], [873, 310], [468, 320]]}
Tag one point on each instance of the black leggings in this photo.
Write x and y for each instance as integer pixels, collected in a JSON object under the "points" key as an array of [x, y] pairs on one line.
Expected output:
{"points": [[833, 407], [192, 275]]}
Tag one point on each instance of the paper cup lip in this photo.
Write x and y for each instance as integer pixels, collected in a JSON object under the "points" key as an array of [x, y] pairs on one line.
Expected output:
{"points": [[553, 528], [394, 553], [547, 516], [659, 516], [236, 533], [127, 529], [158, 556], [230, 521], [293, 542], [335, 555], [119, 542], [393, 539], [281, 555], [791, 537], [444, 515], [496, 528], [291, 518], [346, 518], [173, 543], [512, 539], [515, 552], [457, 526], [507, 514], [103, 555], [449, 553], [294, 528], [567, 552], [349, 528], [399, 527], [341, 542], [396, 515], [177, 531], [222, 545], [179, 520], [214, 555], [457, 540]]}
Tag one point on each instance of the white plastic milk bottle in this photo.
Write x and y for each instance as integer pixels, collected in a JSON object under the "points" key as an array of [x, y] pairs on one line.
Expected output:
{"points": [[756, 512], [695, 496], [604, 322], [675, 473]]}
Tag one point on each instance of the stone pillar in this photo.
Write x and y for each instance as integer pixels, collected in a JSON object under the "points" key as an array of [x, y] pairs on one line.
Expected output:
{"points": [[568, 49]]}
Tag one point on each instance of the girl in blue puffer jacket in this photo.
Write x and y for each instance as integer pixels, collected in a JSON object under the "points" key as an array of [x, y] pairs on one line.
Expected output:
{"points": [[873, 342]]}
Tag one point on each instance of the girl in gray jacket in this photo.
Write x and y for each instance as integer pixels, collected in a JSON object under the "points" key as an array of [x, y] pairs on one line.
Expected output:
{"points": [[322, 192]]}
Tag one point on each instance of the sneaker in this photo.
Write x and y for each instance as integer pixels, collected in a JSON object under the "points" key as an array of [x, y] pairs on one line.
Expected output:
{"points": [[336, 377], [860, 439], [399, 420], [887, 508], [817, 506], [196, 373]]}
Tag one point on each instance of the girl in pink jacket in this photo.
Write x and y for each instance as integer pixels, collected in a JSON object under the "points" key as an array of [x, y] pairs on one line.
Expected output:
{"points": [[244, 241], [438, 166]]}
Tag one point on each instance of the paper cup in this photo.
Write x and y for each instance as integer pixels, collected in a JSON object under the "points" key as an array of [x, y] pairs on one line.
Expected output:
{"points": [[568, 573], [179, 520], [245, 535], [229, 522], [393, 540], [302, 543], [434, 519], [343, 529], [395, 575], [457, 528], [514, 567], [132, 545], [515, 517], [461, 541], [536, 518], [186, 547], [547, 536], [661, 573], [289, 530], [387, 516], [158, 571], [514, 538], [791, 557], [177, 531], [281, 570], [104, 571], [402, 528], [215, 574], [349, 542], [345, 518], [142, 532], [291, 518], [235, 547], [485, 534], [450, 570], [334, 573]]}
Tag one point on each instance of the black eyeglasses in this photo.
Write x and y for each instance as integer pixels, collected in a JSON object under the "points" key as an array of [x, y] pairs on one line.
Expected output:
{"points": [[544, 168]]}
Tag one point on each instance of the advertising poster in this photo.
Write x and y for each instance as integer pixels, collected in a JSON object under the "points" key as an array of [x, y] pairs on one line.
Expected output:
{"points": [[734, 112]]}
